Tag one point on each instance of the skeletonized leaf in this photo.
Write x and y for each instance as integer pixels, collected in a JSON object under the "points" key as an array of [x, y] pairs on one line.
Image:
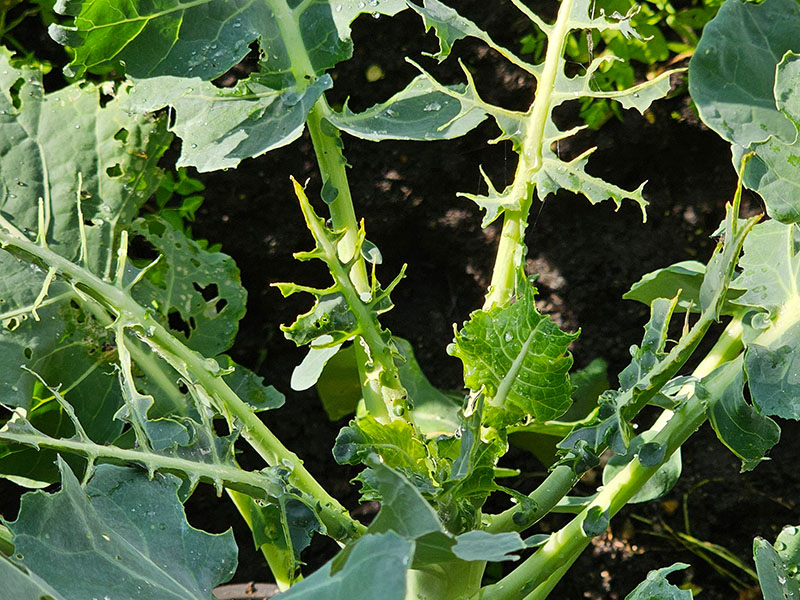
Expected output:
{"points": [[519, 358], [127, 536]]}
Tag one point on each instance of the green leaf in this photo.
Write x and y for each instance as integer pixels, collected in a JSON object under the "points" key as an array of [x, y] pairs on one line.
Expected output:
{"points": [[774, 172], [308, 372], [339, 385], [375, 567], [747, 432], [482, 545], [685, 276], [249, 386], [220, 127], [656, 586], [18, 582], [769, 279], [641, 449], [595, 522], [788, 546], [519, 358], [50, 143], [150, 39], [127, 536], [396, 442], [773, 576], [732, 73], [419, 112]]}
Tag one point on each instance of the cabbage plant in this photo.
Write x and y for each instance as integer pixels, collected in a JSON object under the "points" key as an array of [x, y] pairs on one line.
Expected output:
{"points": [[114, 382]]}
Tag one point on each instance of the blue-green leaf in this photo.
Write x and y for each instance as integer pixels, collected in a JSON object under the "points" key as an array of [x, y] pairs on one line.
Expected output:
{"points": [[656, 586], [127, 536]]}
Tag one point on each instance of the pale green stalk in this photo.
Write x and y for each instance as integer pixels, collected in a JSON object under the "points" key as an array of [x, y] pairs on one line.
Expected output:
{"points": [[512, 238]]}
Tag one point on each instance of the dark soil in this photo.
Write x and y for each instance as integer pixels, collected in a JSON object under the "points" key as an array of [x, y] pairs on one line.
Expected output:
{"points": [[587, 257]]}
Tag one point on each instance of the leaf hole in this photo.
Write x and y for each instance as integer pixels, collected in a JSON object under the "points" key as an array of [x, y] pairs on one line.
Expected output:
{"points": [[121, 135], [14, 92], [11, 324], [28, 352], [182, 387], [208, 292], [176, 323], [115, 171]]}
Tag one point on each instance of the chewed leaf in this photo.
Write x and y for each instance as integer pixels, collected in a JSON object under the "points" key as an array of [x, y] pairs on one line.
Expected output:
{"points": [[110, 174], [556, 174], [202, 287], [448, 24], [131, 530], [419, 112], [222, 126], [518, 357]]}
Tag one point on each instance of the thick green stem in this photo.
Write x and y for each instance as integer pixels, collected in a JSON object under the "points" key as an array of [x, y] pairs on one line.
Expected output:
{"points": [[510, 251], [195, 368], [449, 581], [557, 485], [563, 546]]}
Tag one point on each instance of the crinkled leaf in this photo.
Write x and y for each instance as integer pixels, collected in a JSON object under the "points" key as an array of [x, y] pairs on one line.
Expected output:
{"points": [[656, 586], [640, 449], [127, 535], [732, 73], [220, 127], [419, 112], [519, 358], [396, 442], [773, 575], [770, 281]]}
